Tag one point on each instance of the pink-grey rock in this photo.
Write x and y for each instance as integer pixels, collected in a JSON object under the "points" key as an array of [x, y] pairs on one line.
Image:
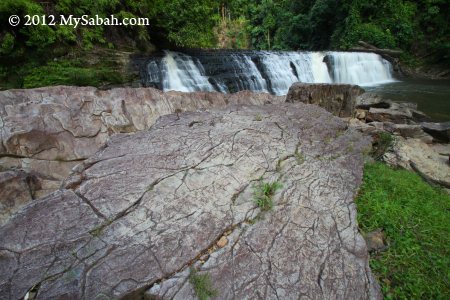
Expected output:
{"points": [[50, 130], [138, 214], [17, 188]]}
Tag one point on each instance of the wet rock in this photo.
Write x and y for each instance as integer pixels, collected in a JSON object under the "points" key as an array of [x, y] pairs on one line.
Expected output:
{"points": [[439, 131], [339, 99], [150, 204]]}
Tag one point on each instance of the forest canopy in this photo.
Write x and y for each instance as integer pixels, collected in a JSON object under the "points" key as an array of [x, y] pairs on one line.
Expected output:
{"points": [[420, 28]]}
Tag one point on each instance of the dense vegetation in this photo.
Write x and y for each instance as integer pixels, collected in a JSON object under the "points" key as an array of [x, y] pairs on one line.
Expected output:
{"points": [[420, 28], [415, 218]]}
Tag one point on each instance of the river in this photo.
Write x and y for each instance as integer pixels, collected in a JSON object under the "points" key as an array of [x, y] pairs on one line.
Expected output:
{"points": [[431, 96]]}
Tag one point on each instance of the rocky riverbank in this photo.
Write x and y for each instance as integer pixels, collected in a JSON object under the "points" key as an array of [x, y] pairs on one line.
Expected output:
{"points": [[135, 218], [124, 192], [417, 144]]}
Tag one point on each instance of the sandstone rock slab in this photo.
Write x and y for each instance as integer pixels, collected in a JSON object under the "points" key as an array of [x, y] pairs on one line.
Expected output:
{"points": [[138, 214], [50, 130]]}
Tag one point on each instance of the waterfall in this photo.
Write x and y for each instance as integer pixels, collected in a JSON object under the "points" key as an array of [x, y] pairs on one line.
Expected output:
{"points": [[262, 71], [180, 73], [360, 68], [248, 75]]}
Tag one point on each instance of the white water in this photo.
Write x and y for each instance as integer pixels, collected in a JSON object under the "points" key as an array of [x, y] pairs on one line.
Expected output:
{"points": [[180, 73], [319, 68], [366, 69], [251, 79], [275, 72]]}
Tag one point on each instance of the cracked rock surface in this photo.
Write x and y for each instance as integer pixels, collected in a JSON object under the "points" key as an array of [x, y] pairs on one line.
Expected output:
{"points": [[47, 131], [135, 217]]}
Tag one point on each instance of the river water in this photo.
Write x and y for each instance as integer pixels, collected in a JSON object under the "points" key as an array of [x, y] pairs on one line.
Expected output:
{"points": [[431, 96]]}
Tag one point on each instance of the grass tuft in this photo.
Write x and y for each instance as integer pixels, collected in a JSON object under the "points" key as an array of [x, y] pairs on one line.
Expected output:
{"points": [[415, 218], [202, 285], [263, 194]]}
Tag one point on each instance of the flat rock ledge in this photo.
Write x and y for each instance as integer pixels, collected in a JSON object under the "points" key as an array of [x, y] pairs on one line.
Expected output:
{"points": [[136, 217], [48, 131]]}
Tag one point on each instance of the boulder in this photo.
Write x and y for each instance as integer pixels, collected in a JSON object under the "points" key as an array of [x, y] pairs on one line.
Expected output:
{"points": [[138, 215], [415, 155], [439, 131], [339, 99]]}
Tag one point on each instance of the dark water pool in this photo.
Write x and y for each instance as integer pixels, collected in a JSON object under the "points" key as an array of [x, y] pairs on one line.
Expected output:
{"points": [[432, 96]]}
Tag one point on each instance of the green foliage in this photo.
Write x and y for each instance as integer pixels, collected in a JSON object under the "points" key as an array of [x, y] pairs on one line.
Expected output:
{"points": [[202, 285], [7, 44], [417, 27], [70, 73], [187, 23], [415, 218], [263, 194], [232, 34]]}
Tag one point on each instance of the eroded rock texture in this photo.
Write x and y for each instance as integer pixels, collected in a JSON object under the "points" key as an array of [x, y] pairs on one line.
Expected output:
{"points": [[47, 131], [137, 215], [16, 189]]}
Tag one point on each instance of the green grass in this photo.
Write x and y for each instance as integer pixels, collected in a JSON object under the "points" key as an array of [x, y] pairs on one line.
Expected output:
{"points": [[415, 218], [202, 285], [263, 194]]}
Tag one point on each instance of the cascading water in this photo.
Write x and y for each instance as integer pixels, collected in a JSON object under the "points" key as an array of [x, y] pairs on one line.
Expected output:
{"points": [[359, 68], [249, 76], [263, 71], [180, 73]]}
